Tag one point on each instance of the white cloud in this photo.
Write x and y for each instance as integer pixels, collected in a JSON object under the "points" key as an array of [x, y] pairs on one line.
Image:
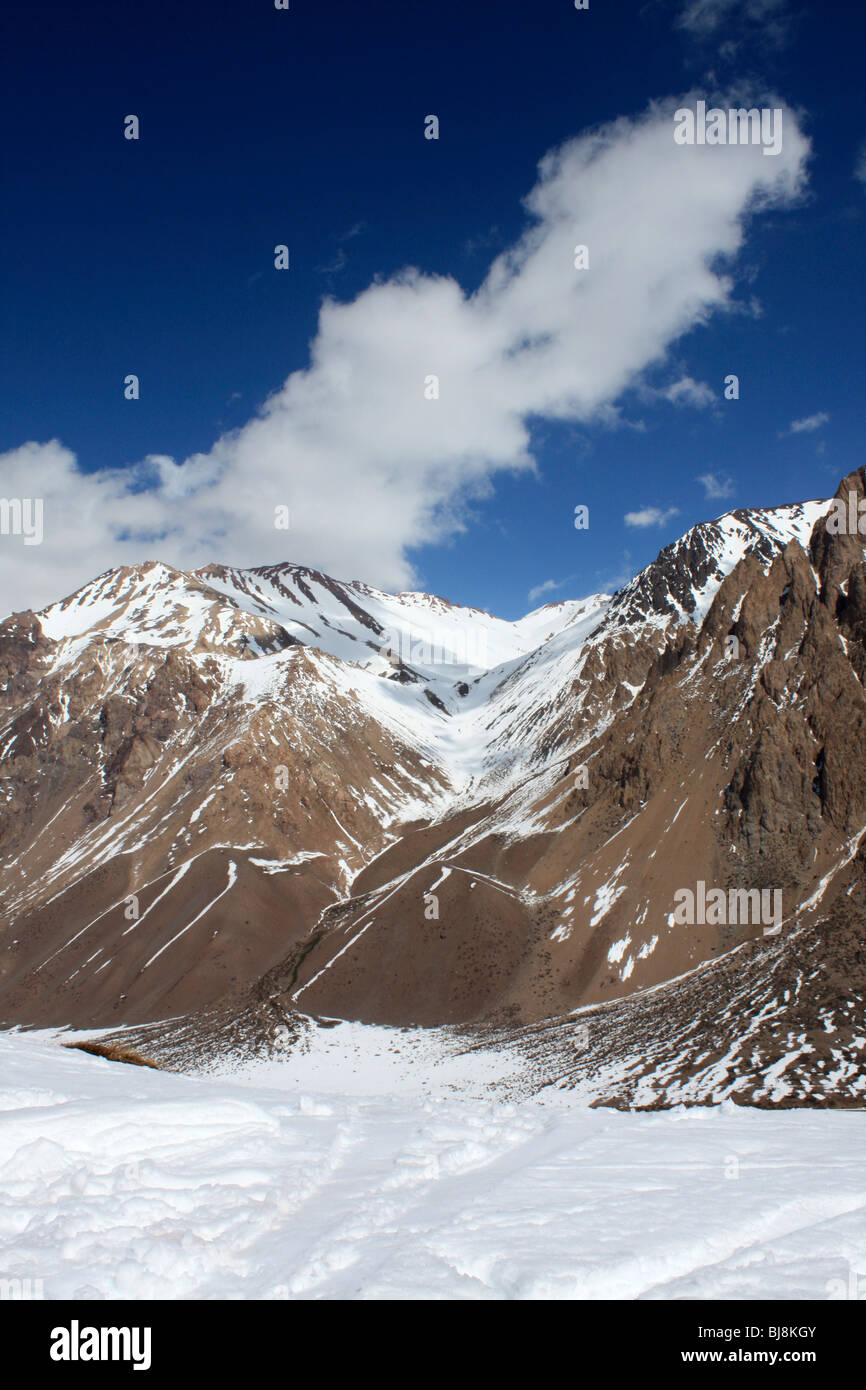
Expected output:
{"points": [[715, 486], [651, 516], [367, 466], [808, 423], [860, 165], [549, 586], [687, 391], [684, 391]]}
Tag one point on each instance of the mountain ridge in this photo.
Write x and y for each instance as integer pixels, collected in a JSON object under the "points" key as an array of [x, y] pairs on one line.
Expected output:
{"points": [[214, 778]]}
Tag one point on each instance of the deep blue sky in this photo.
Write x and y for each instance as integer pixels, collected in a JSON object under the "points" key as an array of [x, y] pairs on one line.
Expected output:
{"points": [[303, 127]]}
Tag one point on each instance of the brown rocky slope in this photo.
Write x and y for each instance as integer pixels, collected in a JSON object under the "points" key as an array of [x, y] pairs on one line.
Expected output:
{"points": [[219, 807]]}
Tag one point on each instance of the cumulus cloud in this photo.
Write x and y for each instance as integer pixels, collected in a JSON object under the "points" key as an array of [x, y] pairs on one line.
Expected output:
{"points": [[651, 516], [716, 486], [808, 423], [367, 464]]}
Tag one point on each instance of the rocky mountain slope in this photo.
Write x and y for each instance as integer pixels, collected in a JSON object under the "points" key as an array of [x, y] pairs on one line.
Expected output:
{"points": [[241, 800]]}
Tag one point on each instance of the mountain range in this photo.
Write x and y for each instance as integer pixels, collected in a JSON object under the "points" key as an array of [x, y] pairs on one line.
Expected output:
{"points": [[621, 837]]}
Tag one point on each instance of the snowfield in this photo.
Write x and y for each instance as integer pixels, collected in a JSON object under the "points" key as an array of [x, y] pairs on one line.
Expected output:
{"points": [[123, 1182]]}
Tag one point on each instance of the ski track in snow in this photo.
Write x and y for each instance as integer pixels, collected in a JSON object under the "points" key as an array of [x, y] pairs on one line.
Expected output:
{"points": [[120, 1182]]}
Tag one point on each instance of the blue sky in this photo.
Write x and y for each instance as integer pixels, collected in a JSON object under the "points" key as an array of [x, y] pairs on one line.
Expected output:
{"points": [[261, 127]]}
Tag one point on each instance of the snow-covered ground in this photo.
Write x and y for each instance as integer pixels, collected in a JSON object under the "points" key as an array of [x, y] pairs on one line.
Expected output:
{"points": [[122, 1182]]}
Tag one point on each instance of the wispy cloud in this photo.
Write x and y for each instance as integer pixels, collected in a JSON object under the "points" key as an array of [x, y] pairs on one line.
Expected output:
{"points": [[715, 485], [611, 580], [687, 391], [683, 391], [807, 424], [550, 586], [766, 20], [340, 259], [651, 516]]}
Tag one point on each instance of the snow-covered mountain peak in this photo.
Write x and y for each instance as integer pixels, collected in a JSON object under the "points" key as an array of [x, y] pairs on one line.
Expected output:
{"points": [[686, 575], [252, 612]]}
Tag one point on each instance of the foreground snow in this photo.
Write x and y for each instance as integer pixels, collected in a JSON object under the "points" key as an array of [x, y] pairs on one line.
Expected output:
{"points": [[121, 1182]]}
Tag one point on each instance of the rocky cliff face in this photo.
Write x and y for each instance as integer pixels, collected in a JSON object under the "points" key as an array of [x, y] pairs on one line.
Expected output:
{"points": [[259, 795]]}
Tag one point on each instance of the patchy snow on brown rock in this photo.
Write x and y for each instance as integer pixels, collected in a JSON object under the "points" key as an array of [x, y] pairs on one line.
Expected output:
{"points": [[236, 802]]}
